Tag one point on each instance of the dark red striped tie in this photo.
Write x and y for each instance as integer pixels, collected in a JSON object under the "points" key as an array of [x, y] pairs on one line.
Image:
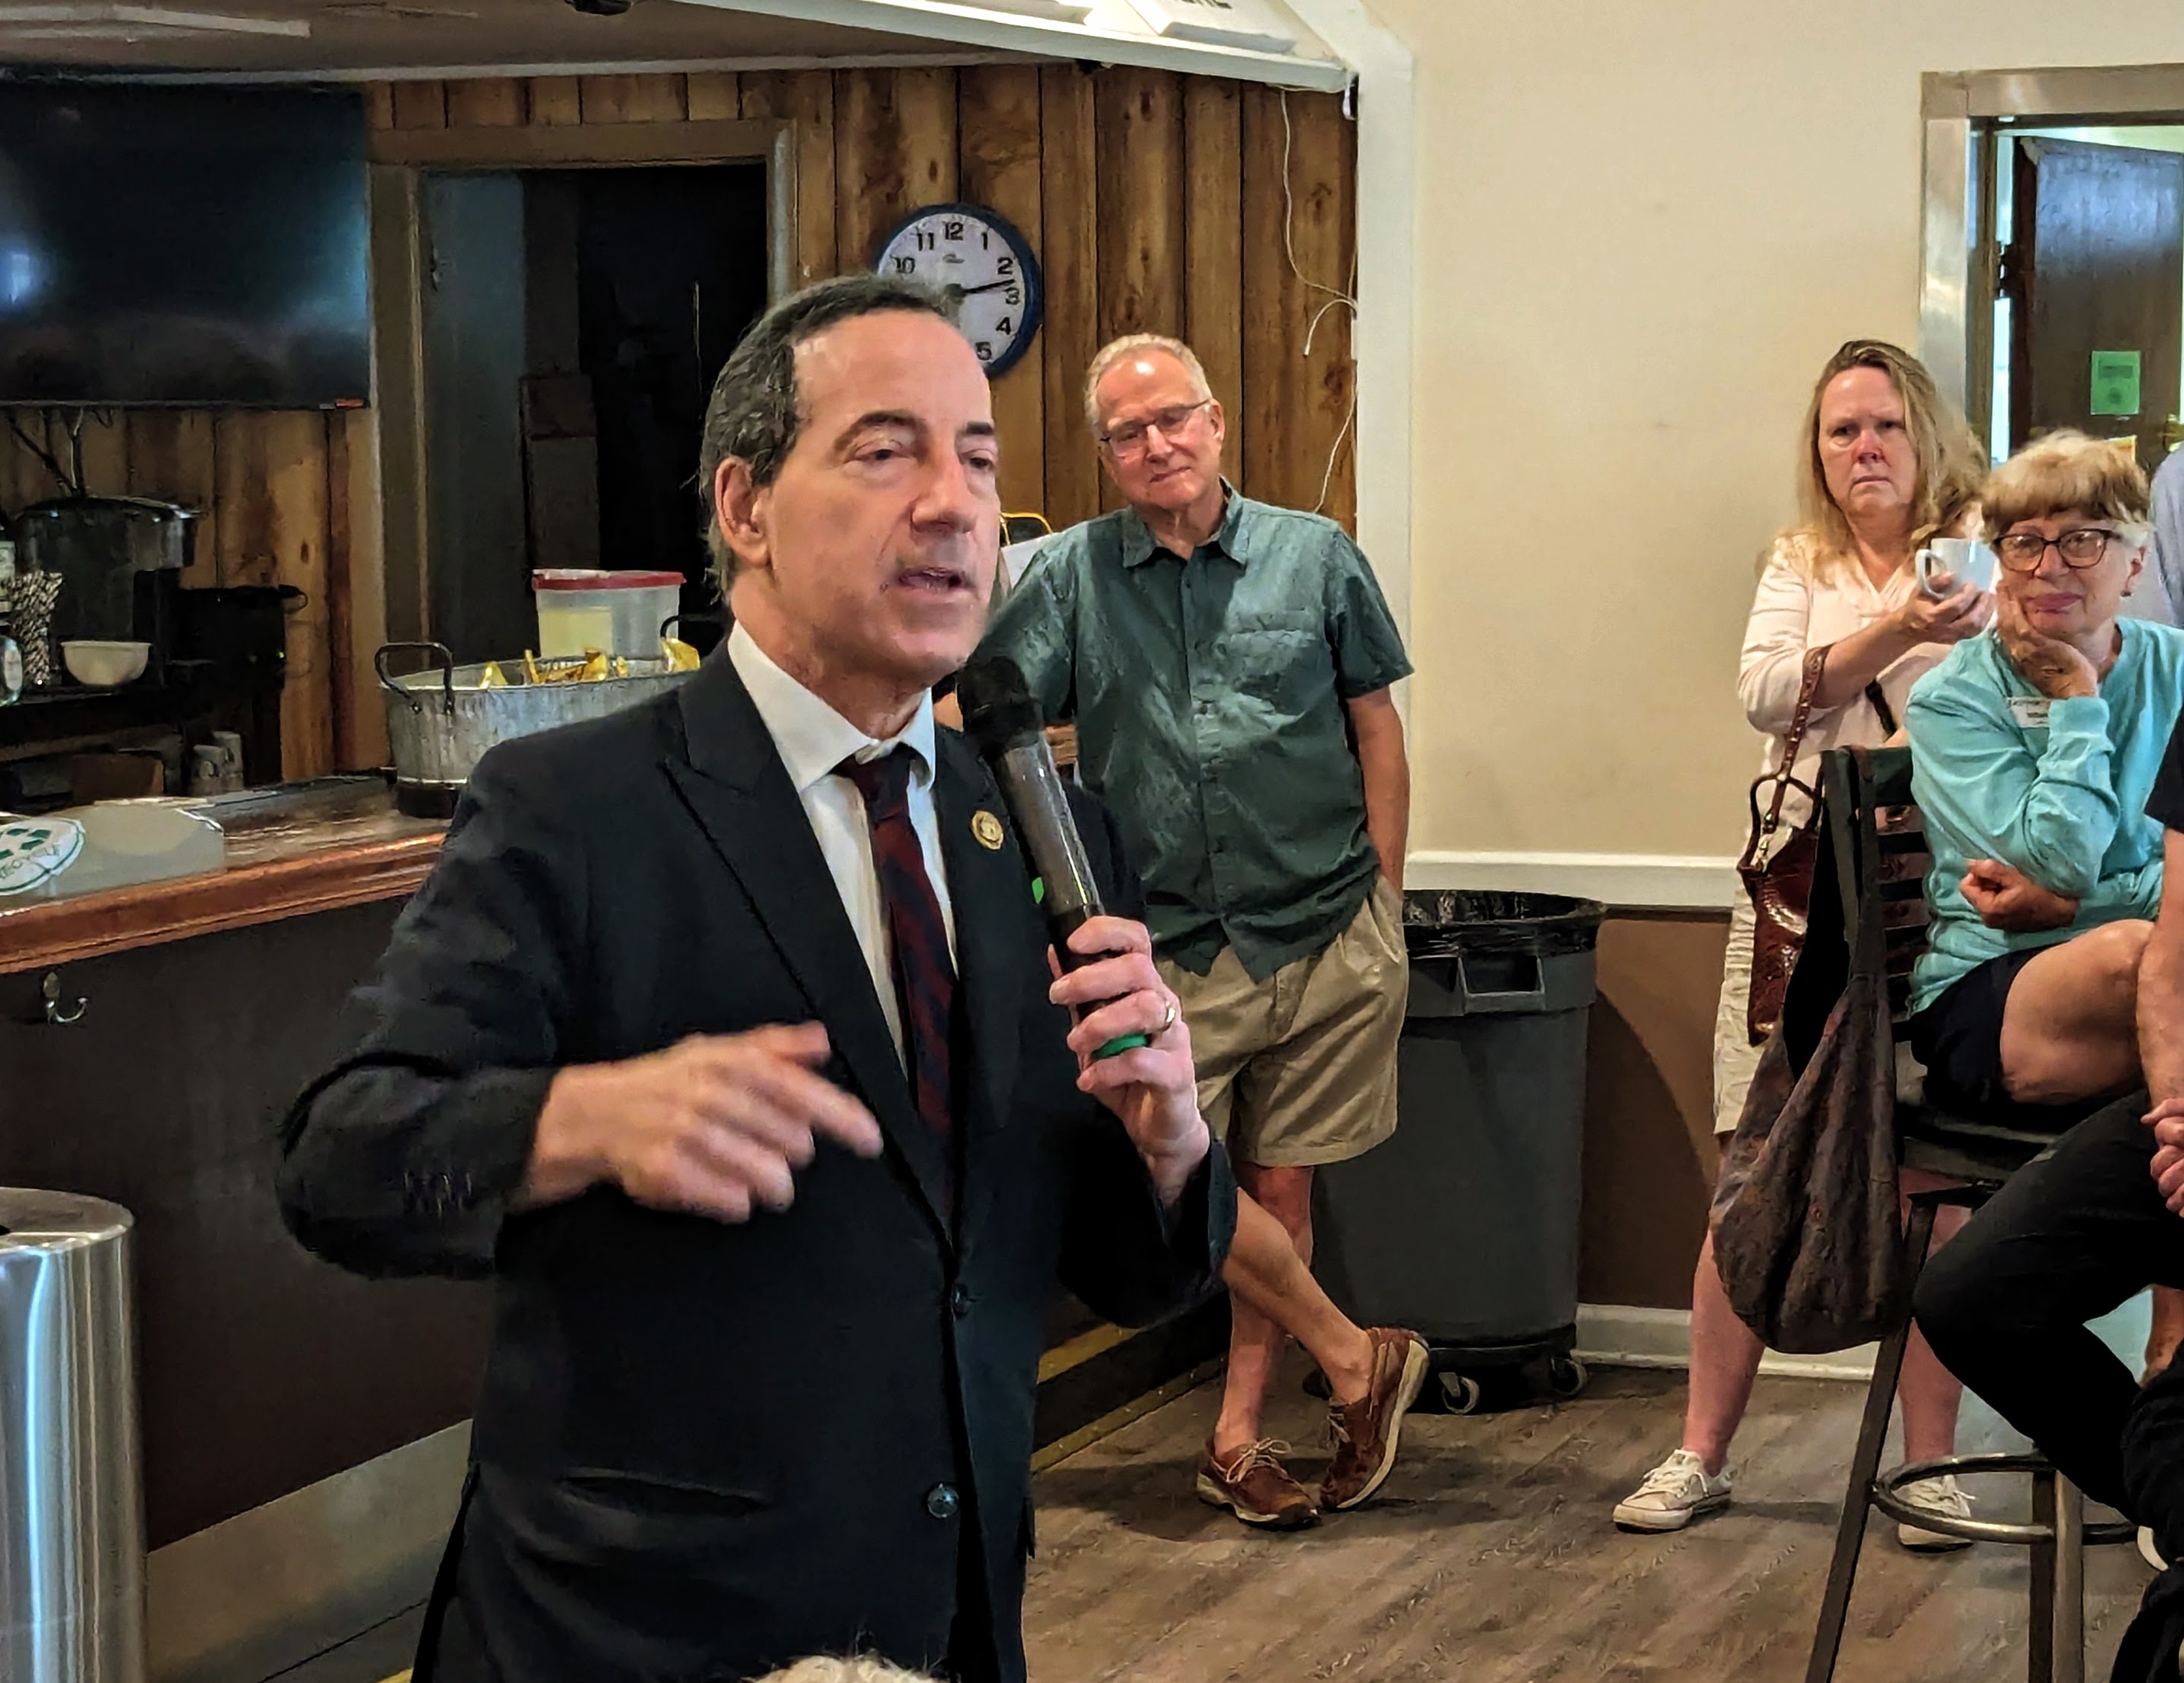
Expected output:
{"points": [[917, 939]]}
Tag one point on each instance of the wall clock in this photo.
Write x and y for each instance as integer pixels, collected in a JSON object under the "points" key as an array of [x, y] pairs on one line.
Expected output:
{"points": [[976, 256]]}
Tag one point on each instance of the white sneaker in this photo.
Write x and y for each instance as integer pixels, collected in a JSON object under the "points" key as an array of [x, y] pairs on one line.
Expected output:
{"points": [[1940, 1496], [1675, 1493], [2149, 1551]]}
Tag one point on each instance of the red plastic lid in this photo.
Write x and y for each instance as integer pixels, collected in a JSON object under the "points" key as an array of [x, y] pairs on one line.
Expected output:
{"points": [[584, 578]]}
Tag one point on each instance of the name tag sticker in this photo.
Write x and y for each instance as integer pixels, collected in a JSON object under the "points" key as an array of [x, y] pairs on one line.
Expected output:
{"points": [[2030, 712]]}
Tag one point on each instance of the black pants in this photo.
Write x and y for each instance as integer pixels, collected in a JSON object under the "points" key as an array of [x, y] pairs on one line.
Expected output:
{"points": [[2154, 1475], [2004, 1304]]}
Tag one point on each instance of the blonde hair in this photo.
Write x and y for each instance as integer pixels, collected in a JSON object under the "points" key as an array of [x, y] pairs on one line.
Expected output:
{"points": [[1951, 461], [862, 1670], [2066, 469], [1129, 346]]}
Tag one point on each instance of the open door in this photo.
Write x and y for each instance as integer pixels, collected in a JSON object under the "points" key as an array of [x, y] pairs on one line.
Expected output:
{"points": [[2096, 272]]}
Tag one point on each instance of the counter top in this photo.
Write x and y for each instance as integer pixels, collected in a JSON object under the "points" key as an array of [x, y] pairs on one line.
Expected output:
{"points": [[292, 850]]}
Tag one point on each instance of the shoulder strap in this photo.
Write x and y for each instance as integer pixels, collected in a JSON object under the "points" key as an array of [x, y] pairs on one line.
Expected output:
{"points": [[1878, 699], [1816, 666]]}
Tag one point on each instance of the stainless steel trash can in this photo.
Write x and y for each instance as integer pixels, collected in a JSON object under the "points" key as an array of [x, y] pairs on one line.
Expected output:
{"points": [[71, 1504]]}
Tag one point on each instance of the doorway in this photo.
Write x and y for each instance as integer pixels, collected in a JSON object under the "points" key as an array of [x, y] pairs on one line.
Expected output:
{"points": [[571, 322], [2088, 326]]}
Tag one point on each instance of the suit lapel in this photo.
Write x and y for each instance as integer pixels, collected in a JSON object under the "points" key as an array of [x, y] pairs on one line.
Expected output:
{"points": [[987, 887], [737, 787]]}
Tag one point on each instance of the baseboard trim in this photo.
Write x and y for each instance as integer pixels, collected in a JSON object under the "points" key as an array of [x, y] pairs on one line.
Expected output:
{"points": [[272, 1588], [1669, 882], [1621, 1336]]}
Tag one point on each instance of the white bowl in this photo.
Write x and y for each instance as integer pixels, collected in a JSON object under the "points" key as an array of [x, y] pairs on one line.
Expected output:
{"points": [[102, 665]]}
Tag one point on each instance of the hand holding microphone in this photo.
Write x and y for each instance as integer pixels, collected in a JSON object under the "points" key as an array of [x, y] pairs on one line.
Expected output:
{"points": [[1005, 724], [1133, 1047]]}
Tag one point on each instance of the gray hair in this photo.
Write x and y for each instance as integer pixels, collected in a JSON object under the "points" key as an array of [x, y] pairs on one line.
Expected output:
{"points": [[756, 411], [1131, 345], [863, 1669]]}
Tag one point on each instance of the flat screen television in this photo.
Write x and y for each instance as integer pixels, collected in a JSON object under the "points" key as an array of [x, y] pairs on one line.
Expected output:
{"points": [[196, 246]]}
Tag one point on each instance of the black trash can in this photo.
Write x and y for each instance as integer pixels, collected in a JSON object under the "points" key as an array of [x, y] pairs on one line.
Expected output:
{"points": [[1464, 1225]]}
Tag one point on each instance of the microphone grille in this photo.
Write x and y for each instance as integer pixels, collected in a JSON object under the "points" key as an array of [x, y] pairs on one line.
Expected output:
{"points": [[997, 703]]}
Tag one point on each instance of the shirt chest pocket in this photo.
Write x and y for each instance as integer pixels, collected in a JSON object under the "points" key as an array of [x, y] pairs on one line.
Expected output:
{"points": [[1281, 658]]}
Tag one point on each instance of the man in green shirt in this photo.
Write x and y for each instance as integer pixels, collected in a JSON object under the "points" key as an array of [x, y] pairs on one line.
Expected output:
{"points": [[1227, 667]]}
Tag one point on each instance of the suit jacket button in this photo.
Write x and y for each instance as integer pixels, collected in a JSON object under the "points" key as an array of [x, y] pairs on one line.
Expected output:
{"points": [[942, 1502], [959, 1301]]}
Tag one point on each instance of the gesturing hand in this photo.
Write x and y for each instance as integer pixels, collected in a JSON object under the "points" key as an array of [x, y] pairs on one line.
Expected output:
{"points": [[2052, 667], [1154, 1088], [715, 1125], [2006, 899]]}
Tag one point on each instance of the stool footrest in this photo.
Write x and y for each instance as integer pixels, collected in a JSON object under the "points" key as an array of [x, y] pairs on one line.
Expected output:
{"points": [[1887, 1497]]}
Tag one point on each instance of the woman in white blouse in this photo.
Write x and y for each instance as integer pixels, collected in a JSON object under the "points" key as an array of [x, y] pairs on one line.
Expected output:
{"points": [[1886, 465]]}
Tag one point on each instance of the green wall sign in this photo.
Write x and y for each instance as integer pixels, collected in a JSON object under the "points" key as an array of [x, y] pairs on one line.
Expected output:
{"points": [[2115, 383]]}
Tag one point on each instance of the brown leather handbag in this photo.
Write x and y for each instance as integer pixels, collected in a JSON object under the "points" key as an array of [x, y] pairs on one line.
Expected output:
{"points": [[1777, 867]]}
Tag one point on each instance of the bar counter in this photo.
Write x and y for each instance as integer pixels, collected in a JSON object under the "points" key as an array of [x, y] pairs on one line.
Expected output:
{"points": [[151, 1039], [291, 851]]}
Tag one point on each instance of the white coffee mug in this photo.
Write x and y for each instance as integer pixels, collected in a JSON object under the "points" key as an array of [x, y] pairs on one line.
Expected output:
{"points": [[1965, 559]]}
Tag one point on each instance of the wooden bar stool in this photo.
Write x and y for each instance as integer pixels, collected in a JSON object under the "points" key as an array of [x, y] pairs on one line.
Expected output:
{"points": [[1882, 859]]}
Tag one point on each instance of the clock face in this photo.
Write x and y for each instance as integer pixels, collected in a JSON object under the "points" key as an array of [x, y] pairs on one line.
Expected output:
{"points": [[982, 261]]}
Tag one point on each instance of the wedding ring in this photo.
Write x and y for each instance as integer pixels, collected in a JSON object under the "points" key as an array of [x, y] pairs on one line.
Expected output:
{"points": [[1168, 1021]]}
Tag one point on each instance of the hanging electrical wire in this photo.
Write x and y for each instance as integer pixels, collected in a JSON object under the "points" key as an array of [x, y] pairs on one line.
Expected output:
{"points": [[1337, 298]]}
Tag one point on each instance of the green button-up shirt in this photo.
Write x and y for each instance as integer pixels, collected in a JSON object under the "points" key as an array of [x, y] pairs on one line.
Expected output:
{"points": [[1208, 697]]}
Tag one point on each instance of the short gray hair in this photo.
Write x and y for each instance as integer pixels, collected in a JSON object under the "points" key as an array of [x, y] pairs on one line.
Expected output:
{"points": [[755, 410], [1130, 345], [860, 1670]]}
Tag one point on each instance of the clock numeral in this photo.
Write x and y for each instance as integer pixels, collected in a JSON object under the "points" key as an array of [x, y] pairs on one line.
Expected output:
{"points": [[925, 241], [905, 265], [1008, 267], [986, 240], [1005, 327], [1014, 295], [986, 350], [952, 231]]}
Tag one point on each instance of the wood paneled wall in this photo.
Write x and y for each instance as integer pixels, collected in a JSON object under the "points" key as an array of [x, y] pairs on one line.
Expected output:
{"points": [[1157, 203], [284, 497], [1221, 212]]}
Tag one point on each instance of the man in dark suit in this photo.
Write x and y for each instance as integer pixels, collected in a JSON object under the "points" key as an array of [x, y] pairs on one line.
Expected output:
{"points": [[725, 1036]]}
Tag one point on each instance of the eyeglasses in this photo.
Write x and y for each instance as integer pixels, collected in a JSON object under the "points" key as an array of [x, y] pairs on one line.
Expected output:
{"points": [[1128, 440], [2080, 547]]}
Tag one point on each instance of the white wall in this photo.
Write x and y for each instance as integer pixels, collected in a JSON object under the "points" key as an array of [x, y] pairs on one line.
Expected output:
{"points": [[1641, 228]]}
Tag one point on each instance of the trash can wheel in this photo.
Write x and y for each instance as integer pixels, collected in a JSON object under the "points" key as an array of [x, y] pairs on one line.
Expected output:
{"points": [[1565, 1376], [1460, 1393]]}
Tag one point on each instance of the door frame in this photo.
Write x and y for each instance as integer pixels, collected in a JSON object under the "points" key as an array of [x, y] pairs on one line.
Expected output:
{"points": [[1961, 113], [400, 158]]}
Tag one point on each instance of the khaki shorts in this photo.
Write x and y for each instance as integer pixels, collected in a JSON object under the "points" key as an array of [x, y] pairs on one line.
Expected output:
{"points": [[1300, 1069]]}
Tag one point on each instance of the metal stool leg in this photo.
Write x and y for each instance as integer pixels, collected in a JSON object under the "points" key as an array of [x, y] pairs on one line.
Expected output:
{"points": [[2070, 1645], [1865, 1465], [2040, 1646]]}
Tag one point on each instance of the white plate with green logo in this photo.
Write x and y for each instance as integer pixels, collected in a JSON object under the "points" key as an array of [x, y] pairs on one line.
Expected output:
{"points": [[36, 850]]}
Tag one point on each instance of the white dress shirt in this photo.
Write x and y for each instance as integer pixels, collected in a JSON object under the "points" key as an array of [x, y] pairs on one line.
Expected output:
{"points": [[813, 739]]}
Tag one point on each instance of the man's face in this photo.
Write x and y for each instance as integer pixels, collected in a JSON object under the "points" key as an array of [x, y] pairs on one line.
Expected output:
{"points": [[1161, 435], [877, 541]]}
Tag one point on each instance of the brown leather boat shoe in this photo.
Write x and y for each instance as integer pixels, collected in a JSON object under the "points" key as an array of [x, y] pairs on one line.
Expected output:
{"points": [[1366, 1432], [1254, 1485]]}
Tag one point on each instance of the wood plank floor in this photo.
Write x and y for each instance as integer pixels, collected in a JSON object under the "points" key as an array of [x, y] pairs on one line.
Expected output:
{"points": [[1490, 1558]]}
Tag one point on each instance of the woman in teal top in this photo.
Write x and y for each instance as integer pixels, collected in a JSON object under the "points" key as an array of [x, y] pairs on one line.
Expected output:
{"points": [[2036, 746]]}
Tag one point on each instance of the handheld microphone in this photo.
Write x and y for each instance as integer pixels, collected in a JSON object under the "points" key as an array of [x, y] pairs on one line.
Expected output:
{"points": [[1006, 726]]}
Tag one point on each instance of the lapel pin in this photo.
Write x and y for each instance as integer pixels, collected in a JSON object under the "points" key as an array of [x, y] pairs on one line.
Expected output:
{"points": [[988, 829]]}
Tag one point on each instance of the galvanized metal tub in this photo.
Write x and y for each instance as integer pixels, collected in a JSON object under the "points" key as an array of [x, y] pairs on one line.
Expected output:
{"points": [[440, 721]]}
